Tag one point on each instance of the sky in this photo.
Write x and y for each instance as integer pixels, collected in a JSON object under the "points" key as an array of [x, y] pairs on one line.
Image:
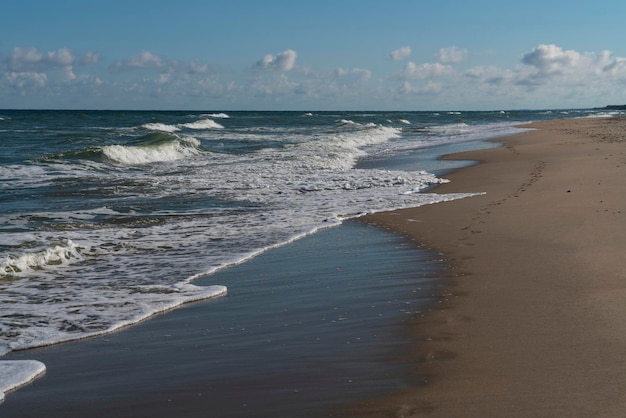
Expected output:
{"points": [[313, 55]]}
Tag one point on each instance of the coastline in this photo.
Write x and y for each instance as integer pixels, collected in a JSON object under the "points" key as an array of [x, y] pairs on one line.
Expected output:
{"points": [[531, 321]]}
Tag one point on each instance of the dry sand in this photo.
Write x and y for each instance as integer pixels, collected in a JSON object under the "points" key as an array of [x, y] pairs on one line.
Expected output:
{"points": [[533, 320]]}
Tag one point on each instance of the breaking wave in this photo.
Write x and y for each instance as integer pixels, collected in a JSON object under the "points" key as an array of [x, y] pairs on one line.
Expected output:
{"points": [[203, 124], [59, 255], [153, 148], [199, 124]]}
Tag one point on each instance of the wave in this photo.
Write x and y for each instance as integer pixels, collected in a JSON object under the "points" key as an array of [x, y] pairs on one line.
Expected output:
{"points": [[153, 148], [609, 114], [202, 124], [16, 373], [150, 148], [216, 115], [160, 127], [199, 124], [58, 255], [342, 149]]}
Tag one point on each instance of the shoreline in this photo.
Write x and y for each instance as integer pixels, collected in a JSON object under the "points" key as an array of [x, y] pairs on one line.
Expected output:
{"points": [[531, 321], [499, 341], [276, 346]]}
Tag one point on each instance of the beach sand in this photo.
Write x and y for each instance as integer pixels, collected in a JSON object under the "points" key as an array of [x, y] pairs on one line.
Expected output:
{"points": [[532, 321]]}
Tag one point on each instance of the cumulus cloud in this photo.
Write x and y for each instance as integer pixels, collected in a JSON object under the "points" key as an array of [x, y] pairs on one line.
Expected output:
{"points": [[61, 57], [28, 58], [547, 63], [607, 63], [554, 71], [355, 74], [284, 61], [196, 67], [276, 85], [490, 75], [26, 79], [551, 59], [412, 71], [400, 54], [90, 58], [145, 59], [31, 61], [430, 88], [451, 55], [23, 58]]}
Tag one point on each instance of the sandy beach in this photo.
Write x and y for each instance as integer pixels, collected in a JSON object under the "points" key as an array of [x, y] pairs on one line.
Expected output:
{"points": [[531, 322]]}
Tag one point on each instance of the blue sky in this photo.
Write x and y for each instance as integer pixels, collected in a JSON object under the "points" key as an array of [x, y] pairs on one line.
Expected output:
{"points": [[313, 55]]}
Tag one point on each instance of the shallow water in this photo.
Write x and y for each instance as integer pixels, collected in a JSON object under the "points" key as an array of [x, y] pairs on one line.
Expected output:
{"points": [[304, 327]]}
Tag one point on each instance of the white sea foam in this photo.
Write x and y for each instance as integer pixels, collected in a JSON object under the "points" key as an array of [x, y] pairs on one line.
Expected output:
{"points": [[217, 115], [607, 114], [203, 124], [342, 150], [160, 127], [22, 264], [85, 311], [146, 154], [16, 373]]}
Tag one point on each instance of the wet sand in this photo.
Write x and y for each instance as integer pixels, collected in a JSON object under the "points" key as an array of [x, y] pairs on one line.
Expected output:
{"points": [[532, 322]]}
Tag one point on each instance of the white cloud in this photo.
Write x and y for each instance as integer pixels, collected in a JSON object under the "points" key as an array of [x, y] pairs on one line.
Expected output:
{"points": [[61, 57], [276, 85], [26, 79], [551, 59], [544, 74], [90, 58], [284, 61], [196, 67], [400, 54], [550, 63], [451, 55], [29, 58], [549, 75], [22, 58], [145, 59], [355, 74], [608, 64], [31, 61], [412, 71], [430, 88]]}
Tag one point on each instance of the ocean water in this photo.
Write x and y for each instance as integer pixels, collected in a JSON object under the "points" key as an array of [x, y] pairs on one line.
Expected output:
{"points": [[306, 328], [108, 217]]}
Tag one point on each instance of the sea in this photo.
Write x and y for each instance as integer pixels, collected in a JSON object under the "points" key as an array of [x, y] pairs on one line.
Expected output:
{"points": [[110, 217]]}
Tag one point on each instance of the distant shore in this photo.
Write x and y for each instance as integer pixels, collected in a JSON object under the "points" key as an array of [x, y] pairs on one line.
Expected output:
{"points": [[532, 320]]}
